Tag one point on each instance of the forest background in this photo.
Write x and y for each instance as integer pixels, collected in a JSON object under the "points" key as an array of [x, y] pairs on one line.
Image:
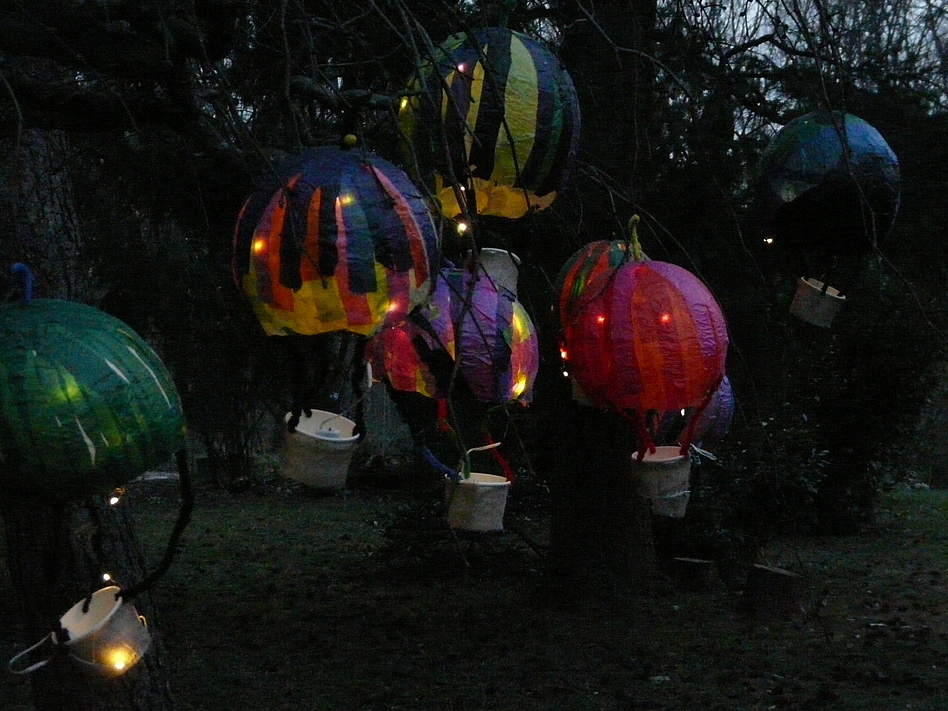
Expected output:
{"points": [[133, 132]]}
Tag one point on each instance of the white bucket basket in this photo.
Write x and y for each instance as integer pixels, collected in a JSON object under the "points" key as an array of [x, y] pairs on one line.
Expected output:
{"points": [[502, 266], [662, 478], [319, 452], [476, 503], [815, 302], [104, 632]]}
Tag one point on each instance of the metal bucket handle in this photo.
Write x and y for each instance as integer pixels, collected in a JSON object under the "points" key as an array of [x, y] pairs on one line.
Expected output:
{"points": [[12, 664]]}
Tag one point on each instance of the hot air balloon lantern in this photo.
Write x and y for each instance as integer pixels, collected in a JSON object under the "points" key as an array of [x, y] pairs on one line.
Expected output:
{"points": [[496, 340], [829, 191], [85, 404], [647, 337], [334, 240], [587, 263], [401, 352], [508, 113]]}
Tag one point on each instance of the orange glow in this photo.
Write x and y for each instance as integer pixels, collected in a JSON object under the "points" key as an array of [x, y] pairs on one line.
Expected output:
{"points": [[600, 319], [259, 245], [665, 318], [563, 353]]}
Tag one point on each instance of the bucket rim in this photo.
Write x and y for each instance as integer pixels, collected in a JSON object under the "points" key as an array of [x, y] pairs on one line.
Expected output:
{"points": [[494, 480], [329, 417], [817, 285], [663, 454], [111, 589]]}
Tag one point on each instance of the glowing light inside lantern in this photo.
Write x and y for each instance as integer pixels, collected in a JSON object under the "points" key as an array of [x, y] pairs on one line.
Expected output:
{"points": [[462, 226], [563, 353], [600, 319], [106, 577], [665, 318], [519, 386], [259, 245], [768, 240], [462, 68], [114, 499], [346, 199], [404, 104], [119, 658]]}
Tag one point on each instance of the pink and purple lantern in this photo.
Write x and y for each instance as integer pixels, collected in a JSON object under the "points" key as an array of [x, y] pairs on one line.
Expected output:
{"points": [[497, 345]]}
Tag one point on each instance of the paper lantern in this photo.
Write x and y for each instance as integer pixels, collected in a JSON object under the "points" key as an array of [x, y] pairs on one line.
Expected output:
{"points": [[508, 113], [711, 423], [401, 353], [829, 183], [334, 240], [496, 341], [647, 336], [85, 403], [582, 267]]}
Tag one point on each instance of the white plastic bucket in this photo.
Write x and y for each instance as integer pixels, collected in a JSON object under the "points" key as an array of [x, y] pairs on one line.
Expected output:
{"points": [[502, 266], [104, 632], [476, 503], [662, 478], [319, 452], [815, 302]]}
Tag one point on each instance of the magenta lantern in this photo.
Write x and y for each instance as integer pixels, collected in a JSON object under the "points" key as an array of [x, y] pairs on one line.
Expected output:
{"points": [[647, 336]]}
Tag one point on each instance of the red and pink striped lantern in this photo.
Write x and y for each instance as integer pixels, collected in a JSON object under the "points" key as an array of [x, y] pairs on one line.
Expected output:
{"points": [[647, 336]]}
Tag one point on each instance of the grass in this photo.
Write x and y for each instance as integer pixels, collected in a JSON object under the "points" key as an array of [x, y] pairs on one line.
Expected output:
{"points": [[363, 600]]}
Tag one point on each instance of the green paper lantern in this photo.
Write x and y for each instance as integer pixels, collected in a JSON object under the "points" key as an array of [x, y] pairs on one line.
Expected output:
{"points": [[85, 404]]}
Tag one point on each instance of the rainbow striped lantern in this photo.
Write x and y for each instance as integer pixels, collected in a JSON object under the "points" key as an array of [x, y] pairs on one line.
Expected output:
{"points": [[582, 267], [85, 404], [508, 113], [397, 351], [647, 336], [497, 344], [334, 240]]}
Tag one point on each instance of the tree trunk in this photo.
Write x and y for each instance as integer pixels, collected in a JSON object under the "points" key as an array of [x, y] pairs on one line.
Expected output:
{"points": [[608, 55], [598, 522], [58, 554]]}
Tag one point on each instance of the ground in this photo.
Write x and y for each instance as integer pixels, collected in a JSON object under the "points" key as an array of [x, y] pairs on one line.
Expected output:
{"points": [[281, 599]]}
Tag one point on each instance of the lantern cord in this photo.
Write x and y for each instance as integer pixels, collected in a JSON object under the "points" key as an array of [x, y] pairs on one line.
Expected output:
{"points": [[184, 517], [637, 254], [23, 271], [645, 442], [696, 415], [359, 386], [499, 458], [437, 464]]}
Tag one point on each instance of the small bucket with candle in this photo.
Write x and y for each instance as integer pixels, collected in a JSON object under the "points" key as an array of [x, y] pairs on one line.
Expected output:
{"points": [[102, 631], [816, 302], [662, 478], [476, 502], [319, 451]]}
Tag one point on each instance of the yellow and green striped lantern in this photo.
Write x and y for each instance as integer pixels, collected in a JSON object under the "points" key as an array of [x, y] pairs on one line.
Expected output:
{"points": [[85, 404], [491, 124]]}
